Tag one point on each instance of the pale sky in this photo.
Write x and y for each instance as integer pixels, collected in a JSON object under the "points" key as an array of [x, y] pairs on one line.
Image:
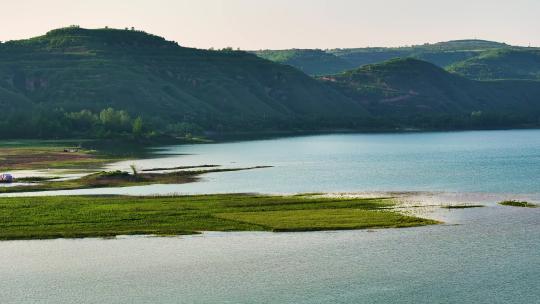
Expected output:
{"points": [[279, 24]]}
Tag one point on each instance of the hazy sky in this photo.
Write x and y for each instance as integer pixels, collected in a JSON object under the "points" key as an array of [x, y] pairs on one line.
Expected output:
{"points": [[276, 24]]}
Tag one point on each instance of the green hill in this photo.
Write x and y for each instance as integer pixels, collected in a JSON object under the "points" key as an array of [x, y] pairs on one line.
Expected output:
{"points": [[44, 79], [441, 53], [311, 62], [419, 94], [75, 82], [523, 63], [318, 62]]}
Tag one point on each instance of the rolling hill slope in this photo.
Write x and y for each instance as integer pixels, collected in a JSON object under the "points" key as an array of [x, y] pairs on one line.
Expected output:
{"points": [[75, 69], [311, 62], [418, 93], [318, 62], [64, 84], [441, 53], [521, 63]]}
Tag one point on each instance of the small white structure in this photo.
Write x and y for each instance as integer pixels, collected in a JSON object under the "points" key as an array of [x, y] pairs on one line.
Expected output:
{"points": [[6, 178]]}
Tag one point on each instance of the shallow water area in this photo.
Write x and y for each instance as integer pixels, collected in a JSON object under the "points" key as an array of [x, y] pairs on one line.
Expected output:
{"points": [[504, 162], [486, 255], [6, 185], [64, 174], [483, 255]]}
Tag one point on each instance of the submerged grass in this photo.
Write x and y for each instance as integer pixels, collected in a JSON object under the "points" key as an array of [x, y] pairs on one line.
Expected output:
{"points": [[323, 219], [518, 204], [49, 157], [103, 216], [461, 206], [116, 179]]}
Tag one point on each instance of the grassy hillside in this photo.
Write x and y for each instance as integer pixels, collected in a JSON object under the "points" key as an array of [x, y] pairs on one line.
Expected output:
{"points": [[318, 62], [169, 86], [501, 64], [311, 62], [75, 82], [420, 94], [441, 53]]}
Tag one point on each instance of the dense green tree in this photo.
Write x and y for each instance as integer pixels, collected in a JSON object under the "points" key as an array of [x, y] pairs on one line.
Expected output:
{"points": [[115, 120], [84, 120], [137, 129]]}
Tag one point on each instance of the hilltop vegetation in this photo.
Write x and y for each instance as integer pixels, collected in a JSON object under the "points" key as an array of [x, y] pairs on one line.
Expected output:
{"points": [[109, 83], [44, 80], [441, 53], [419, 94], [501, 64], [311, 62], [473, 59], [317, 62]]}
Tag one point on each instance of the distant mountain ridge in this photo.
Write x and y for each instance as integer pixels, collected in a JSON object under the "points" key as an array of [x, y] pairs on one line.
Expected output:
{"points": [[443, 54], [76, 82], [311, 62], [415, 92], [512, 63], [440, 53]]}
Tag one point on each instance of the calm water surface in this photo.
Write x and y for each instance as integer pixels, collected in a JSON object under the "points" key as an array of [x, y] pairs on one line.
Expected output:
{"points": [[483, 255], [486, 255], [479, 161]]}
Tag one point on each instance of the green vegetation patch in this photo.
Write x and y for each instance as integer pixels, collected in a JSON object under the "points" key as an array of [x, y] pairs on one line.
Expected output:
{"points": [[518, 204], [103, 216], [41, 157], [326, 219], [509, 63], [107, 179], [107, 83], [462, 206]]}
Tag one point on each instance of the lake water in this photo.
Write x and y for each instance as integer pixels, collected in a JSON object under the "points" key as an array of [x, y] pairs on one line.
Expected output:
{"points": [[485, 255], [479, 161], [482, 255]]}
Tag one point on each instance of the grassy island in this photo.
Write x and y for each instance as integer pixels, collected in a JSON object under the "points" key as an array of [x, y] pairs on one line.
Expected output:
{"points": [[107, 179], [464, 206], [102, 216], [518, 204]]}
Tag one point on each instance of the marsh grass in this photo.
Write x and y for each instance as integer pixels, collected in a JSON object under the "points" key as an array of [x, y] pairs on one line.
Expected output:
{"points": [[523, 204], [49, 157], [461, 206], [324, 219], [106, 216], [119, 179]]}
